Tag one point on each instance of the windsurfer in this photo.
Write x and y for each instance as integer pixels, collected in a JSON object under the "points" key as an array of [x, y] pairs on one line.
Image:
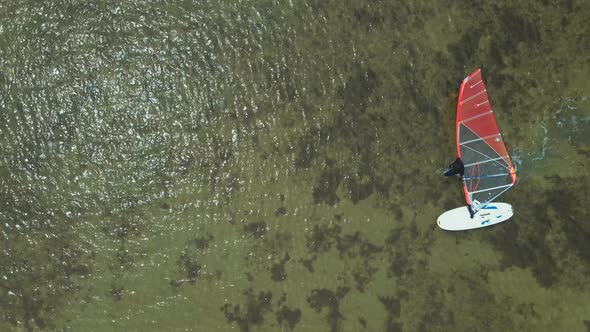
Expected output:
{"points": [[471, 213], [456, 167]]}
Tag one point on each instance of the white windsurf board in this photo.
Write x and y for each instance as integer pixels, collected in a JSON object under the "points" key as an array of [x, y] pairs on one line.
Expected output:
{"points": [[459, 219]]}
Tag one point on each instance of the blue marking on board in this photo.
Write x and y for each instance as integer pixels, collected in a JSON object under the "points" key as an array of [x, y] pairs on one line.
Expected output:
{"points": [[500, 216], [487, 207], [485, 222]]}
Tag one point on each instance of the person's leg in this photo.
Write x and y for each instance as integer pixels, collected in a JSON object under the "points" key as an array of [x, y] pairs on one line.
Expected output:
{"points": [[471, 213]]}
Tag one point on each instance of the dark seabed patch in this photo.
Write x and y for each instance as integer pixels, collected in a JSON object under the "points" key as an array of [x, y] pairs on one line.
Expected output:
{"points": [[533, 253], [308, 263], [568, 199], [255, 229], [202, 242], [277, 270], [152, 152], [289, 317], [393, 307], [281, 211], [277, 243], [322, 298], [525, 244], [322, 238], [117, 292], [325, 189], [402, 246], [252, 313], [351, 247], [189, 269]]}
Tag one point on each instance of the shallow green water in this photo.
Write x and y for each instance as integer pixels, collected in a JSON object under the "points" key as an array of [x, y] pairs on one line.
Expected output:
{"points": [[275, 165]]}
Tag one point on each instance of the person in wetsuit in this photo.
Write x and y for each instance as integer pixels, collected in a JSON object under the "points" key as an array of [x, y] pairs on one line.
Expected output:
{"points": [[456, 167], [471, 213]]}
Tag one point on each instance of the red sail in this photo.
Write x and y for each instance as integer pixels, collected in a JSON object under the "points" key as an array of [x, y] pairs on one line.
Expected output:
{"points": [[488, 170]]}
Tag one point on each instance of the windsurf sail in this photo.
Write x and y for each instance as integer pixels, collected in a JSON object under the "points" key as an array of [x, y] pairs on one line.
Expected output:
{"points": [[488, 169]]}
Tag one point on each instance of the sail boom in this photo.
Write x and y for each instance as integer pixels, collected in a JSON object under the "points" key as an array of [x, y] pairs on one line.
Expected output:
{"points": [[486, 176], [486, 161], [486, 158], [490, 189]]}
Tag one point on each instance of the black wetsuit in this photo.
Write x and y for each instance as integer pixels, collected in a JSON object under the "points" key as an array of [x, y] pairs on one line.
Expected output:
{"points": [[456, 167], [471, 213]]}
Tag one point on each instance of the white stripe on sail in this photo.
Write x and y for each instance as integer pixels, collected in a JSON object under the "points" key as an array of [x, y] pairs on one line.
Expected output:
{"points": [[485, 161], [476, 116], [475, 95], [479, 139], [476, 83]]}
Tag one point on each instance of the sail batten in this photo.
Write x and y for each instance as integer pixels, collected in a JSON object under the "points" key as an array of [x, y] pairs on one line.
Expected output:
{"points": [[488, 169], [490, 189], [486, 161], [480, 139], [475, 117]]}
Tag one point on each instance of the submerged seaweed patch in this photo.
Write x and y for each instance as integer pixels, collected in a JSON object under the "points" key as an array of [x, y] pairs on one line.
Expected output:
{"points": [[281, 211], [277, 243], [252, 313], [124, 259], [117, 292], [362, 275], [519, 29], [202, 242], [322, 298], [359, 190], [289, 317], [353, 246], [533, 252], [524, 246], [278, 269], [364, 248], [325, 189], [322, 237], [308, 263], [567, 199], [357, 92], [393, 307], [403, 246], [191, 269], [255, 229]]}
